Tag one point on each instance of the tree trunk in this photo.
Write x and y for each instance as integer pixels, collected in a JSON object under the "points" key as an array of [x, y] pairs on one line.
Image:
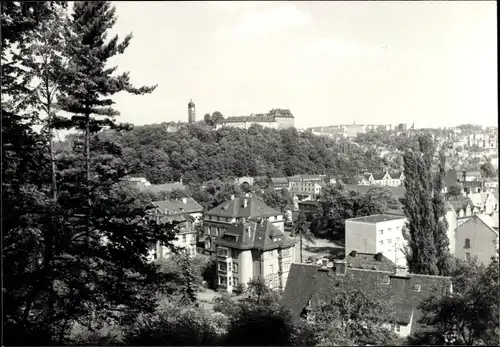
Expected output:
{"points": [[300, 248]]}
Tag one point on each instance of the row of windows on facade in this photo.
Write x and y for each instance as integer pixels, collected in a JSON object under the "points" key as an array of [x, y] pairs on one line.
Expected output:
{"points": [[233, 253], [238, 219], [272, 280]]}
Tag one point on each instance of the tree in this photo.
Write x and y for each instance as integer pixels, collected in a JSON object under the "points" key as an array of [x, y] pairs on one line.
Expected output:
{"points": [[301, 228], [88, 81], [487, 170], [427, 251], [471, 312], [454, 191], [352, 317]]}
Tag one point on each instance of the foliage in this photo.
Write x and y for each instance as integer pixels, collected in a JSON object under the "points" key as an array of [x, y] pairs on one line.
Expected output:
{"points": [[487, 170], [213, 119], [428, 245], [454, 191], [279, 200], [197, 153], [353, 317], [471, 312], [338, 204], [302, 229]]}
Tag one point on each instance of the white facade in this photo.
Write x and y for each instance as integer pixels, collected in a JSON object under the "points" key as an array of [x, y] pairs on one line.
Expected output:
{"points": [[377, 234]]}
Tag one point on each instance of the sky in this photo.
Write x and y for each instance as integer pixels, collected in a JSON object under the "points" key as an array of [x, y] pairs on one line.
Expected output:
{"points": [[428, 63]]}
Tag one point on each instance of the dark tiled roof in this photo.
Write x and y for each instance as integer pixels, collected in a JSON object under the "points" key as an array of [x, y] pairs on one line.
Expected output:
{"points": [[459, 204], [279, 180], [376, 218], [378, 175], [278, 112], [159, 188], [252, 118], [235, 208], [254, 235], [296, 178], [308, 282], [369, 261], [173, 207]]}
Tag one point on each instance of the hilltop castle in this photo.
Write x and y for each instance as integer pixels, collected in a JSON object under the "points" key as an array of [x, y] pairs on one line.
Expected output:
{"points": [[275, 119]]}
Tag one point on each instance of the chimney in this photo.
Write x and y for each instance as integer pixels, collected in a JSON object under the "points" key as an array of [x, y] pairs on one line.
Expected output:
{"points": [[340, 267], [378, 256], [184, 201], [232, 196], [401, 271], [353, 253], [245, 203]]}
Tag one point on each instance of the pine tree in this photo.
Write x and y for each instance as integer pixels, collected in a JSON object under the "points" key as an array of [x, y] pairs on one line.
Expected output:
{"points": [[89, 82]]}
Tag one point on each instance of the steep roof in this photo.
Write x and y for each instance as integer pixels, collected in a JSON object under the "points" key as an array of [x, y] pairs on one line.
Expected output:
{"points": [[477, 222], [283, 113], [174, 207], [478, 199], [459, 204], [309, 282], [261, 235], [236, 208]]}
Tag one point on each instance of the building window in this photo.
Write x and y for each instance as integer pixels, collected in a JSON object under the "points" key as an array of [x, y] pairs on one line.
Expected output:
{"points": [[184, 238], [381, 242], [235, 281], [397, 328], [386, 279], [222, 280], [271, 269], [230, 281], [222, 266], [275, 217], [467, 243], [235, 267], [467, 256], [416, 287], [389, 230], [222, 252], [389, 241], [381, 232], [285, 252]]}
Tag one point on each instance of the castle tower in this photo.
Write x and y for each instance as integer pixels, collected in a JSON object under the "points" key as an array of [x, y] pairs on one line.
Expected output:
{"points": [[191, 112]]}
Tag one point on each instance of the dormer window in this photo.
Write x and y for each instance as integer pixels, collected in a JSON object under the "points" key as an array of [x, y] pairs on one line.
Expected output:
{"points": [[417, 287], [386, 279], [467, 243]]}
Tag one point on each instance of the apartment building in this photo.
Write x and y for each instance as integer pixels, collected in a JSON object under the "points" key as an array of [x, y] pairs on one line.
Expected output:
{"points": [[236, 210], [251, 249], [187, 213], [381, 233], [395, 179]]}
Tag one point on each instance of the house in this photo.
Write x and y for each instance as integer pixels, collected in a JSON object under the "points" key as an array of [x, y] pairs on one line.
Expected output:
{"points": [[469, 176], [486, 203], [237, 209], [279, 183], [187, 212], [380, 233], [475, 238], [490, 183], [309, 207], [309, 284], [251, 249], [311, 189], [275, 119], [385, 179], [464, 209]]}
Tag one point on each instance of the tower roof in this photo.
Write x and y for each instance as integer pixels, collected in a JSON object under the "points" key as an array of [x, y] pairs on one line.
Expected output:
{"points": [[191, 103]]}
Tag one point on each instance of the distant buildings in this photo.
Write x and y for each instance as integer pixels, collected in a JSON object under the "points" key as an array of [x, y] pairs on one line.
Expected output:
{"points": [[191, 112], [385, 179], [145, 186], [382, 233], [188, 213], [275, 119]]}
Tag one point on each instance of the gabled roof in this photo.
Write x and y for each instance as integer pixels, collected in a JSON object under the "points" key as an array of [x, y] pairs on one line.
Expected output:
{"points": [[478, 199], [476, 221], [177, 207], [261, 235], [459, 204], [309, 282], [283, 113], [379, 175], [235, 208]]}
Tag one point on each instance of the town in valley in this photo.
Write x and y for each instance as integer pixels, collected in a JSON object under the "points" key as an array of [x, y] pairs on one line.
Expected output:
{"points": [[232, 225]]}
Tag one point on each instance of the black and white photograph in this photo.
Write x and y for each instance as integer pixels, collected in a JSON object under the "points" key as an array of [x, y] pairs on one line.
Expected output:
{"points": [[249, 173]]}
